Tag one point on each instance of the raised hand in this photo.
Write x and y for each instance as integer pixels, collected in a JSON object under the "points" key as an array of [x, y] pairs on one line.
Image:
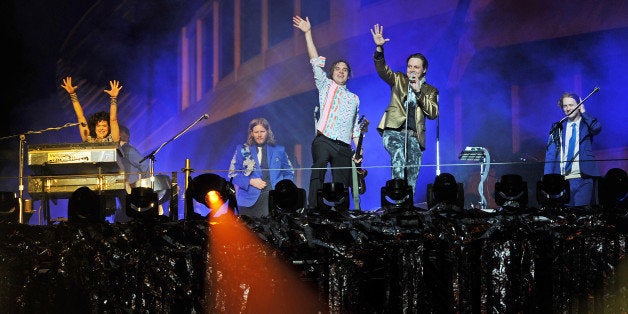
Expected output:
{"points": [[378, 35], [67, 85], [302, 24], [115, 88]]}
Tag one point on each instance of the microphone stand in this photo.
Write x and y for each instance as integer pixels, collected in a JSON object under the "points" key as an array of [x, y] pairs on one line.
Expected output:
{"points": [[406, 105], [21, 160], [438, 145], [151, 156], [405, 142]]}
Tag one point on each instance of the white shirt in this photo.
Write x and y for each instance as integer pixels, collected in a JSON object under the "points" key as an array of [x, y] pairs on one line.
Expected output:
{"points": [[575, 165]]}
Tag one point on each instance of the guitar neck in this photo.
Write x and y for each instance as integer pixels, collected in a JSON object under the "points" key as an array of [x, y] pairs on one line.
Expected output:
{"points": [[358, 148]]}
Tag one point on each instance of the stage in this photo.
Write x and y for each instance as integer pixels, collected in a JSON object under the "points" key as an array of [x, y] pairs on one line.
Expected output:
{"points": [[314, 261]]}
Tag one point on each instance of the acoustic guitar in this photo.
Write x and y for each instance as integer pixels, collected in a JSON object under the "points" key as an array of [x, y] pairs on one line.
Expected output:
{"points": [[358, 155]]}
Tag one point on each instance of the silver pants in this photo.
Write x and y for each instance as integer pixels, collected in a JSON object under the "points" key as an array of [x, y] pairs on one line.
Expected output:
{"points": [[394, 142]]}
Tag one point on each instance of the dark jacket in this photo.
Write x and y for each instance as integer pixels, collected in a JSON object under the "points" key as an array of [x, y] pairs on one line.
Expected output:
{"points": [[589, 127]]}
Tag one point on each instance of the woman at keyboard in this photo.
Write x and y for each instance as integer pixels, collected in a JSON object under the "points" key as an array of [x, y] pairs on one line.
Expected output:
{"points": [[102, 126]]}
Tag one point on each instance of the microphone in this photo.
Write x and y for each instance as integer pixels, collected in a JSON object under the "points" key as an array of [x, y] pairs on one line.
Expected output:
{"points": [[412, 77], [83, 124], [595, 90], [205, 116]]}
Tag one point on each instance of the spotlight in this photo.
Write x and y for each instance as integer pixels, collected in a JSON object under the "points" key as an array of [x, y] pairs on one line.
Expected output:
{"points": [[397, 201], [9, 211], [613, 189], [142, 204], [445, 193], [84, 206], [333, 195], [396, 194], [159, 183], [286, 197], [511, 192], [552, 191], [212, 191]]}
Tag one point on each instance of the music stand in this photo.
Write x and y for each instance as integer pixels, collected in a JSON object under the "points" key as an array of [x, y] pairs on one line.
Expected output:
{"points": [[478, 154]]}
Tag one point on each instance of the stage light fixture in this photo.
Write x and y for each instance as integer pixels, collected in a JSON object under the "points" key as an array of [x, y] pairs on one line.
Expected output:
{"points": [[9, 207], [285, 198], [84, 206], [396, 194], [214, 192], [552, 191], [142, 204], [613, 189], [397, 200], [511, 192], [161, 184], [445, 193], [333, 195]]}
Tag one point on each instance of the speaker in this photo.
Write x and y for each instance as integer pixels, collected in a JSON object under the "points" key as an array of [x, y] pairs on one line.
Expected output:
{"points": [[9, 207]]}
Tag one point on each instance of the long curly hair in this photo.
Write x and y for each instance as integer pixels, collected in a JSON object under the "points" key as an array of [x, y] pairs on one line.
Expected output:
{"points": [[94, 119], [270, 137]]}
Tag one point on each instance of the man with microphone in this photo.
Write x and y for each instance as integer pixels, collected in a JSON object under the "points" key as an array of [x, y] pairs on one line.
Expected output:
{"points": [[411, 101], [570, 150]]}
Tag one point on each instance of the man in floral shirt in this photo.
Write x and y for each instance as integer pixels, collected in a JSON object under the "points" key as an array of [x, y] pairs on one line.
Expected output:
{"points": [[338, 122]]}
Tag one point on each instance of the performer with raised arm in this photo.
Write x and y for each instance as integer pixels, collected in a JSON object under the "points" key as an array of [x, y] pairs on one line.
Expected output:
{"points": [[412, 100], [102, 126], [338, 122]]}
